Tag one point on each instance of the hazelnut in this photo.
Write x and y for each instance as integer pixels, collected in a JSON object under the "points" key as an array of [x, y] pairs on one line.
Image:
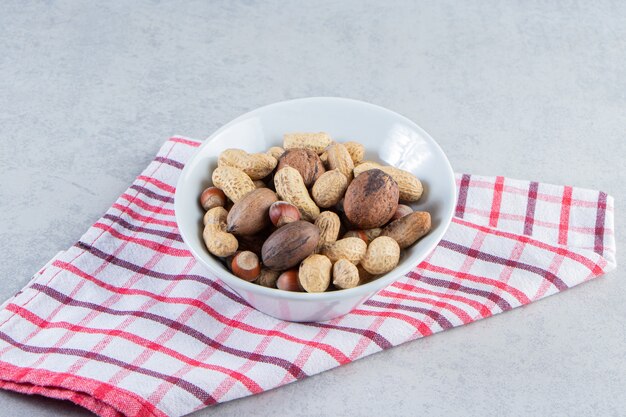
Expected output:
{"points": [[246, 265], [212, 197], [357, 233], [365, 235], [282, 212], [288, 281], [267, 278]]}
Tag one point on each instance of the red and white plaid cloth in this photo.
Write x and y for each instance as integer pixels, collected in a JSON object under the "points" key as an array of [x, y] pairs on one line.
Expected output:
{"points": [[127, 323]]}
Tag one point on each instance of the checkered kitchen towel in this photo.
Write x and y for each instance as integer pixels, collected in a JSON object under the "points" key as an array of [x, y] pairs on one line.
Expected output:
{"points": [[126, 323]]}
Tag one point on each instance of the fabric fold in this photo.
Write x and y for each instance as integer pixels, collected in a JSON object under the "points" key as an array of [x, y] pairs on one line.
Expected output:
{"points": [[127, 323]]}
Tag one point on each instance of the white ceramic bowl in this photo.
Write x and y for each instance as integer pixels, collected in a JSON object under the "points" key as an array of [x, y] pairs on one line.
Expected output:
{"points": [[387, 136]]}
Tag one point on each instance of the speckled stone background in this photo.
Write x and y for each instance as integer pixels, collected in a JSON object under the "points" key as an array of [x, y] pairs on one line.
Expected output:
{"points": [[525, 89]]}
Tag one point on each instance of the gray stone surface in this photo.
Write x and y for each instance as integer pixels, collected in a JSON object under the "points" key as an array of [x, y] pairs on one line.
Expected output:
{"points": [[88, 92]]}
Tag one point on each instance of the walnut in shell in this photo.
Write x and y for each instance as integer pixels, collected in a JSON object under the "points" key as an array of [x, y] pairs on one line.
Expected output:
{"points": [[371, 199], [305, 161]]}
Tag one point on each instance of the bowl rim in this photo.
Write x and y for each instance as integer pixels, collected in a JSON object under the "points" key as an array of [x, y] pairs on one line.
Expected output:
{"points": [[362, 290]]}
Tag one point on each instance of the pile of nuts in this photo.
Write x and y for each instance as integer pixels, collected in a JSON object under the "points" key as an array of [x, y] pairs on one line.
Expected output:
{"points": [[275, 218]]}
